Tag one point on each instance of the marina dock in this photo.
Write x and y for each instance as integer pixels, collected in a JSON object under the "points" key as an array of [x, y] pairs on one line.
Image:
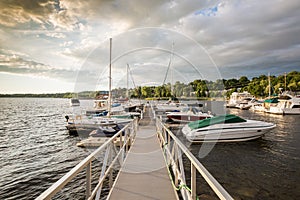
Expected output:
{"points": [[144, 174], [150, 163]]}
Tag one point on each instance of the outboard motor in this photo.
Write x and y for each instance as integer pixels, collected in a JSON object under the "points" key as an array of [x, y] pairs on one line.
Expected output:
{"points": [[67, 118]]}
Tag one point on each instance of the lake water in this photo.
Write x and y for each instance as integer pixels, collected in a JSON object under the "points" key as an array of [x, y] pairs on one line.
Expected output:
{"points": [[36, 150]]}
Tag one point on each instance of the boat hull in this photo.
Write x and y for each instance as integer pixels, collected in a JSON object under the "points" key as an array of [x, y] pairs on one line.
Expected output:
{"points": [[85, 126], [228, 132], [291, 111]]}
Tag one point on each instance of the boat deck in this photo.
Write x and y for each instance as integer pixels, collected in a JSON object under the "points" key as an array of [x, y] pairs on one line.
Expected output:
{"points": [[144, 174]]}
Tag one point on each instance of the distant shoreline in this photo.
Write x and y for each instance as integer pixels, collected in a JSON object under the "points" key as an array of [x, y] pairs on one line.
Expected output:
{"points": [[63, 96], [48, 95]]}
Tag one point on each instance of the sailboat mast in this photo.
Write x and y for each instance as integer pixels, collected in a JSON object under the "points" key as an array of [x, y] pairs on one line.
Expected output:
{"points": [[109, 78], [285, 81], [269, 78], [127, 79]]}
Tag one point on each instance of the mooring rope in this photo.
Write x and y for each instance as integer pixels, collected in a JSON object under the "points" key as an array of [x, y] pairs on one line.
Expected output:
{"points": [[181, 185]]}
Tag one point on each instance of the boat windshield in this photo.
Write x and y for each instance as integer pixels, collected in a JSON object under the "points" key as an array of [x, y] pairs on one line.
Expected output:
{"points": [[191, 109], [74, 100]]}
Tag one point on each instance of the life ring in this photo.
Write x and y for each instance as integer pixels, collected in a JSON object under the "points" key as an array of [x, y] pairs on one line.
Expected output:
{"points": [[78, 117]]}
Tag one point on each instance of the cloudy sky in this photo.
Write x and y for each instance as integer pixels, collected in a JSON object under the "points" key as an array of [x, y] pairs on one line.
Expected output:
{"points": [[63, 45]]}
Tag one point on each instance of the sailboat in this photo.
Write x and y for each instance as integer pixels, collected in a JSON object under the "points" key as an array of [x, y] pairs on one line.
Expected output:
{"points": [[129, 110], [88, 123]]}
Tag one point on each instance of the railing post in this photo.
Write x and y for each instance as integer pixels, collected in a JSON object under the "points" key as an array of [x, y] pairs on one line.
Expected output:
{"points": [[193, 181], [88, 180], [176, 163], [110, 158], [127, 139], [121, 139]]}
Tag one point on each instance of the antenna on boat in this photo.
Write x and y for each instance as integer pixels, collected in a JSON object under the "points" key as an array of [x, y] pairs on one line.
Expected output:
{"points": [[109, 78]]}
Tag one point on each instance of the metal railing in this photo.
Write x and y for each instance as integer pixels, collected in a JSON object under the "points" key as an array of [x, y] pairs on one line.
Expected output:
{"points": [[112, 154], [173, 150]]}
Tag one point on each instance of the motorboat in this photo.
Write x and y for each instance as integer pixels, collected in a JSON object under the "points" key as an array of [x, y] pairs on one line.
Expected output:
{"points": [[87, 123], [170, 107], [239, 100], [106, 131], [244, 104], [188, 115], [257, 105], [225, 128], [92, 142], [100, 107], [285, 104], [74, 102]]}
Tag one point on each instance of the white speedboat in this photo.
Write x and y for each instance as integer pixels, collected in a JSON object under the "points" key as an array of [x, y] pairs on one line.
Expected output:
{"points": [[188, 115], [225, 128]]}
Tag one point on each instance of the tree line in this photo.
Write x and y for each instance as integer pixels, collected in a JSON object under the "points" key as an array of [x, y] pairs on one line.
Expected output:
{"points": [[257, 86]]}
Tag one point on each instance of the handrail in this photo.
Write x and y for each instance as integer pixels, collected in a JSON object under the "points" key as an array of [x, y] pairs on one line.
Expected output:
{"points": [[130, 132], [172, 151]]}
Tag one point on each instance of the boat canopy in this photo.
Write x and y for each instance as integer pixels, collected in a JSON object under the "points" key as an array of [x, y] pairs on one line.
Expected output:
{"points": [[228, 118], [273, 100]]}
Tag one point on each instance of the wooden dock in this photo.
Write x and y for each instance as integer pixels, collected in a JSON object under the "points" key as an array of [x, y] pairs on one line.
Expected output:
{"points": [[144, 174]]}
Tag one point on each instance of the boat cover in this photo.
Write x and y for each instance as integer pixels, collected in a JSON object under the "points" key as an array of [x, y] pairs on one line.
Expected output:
{"points": [[273, 100], [228, 118]]}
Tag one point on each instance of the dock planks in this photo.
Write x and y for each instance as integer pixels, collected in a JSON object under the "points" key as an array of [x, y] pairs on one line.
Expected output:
{"points": [[144, 174]]}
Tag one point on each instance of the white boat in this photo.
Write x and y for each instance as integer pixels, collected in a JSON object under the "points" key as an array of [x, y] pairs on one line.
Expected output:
{"points": [[100, 108], [86, 124], [74, 102], [286, 104], [291, 105], [257, 105], [239, 100], [170, 107], [244, 104], [188, 115], [225, 128], [92, 142]]}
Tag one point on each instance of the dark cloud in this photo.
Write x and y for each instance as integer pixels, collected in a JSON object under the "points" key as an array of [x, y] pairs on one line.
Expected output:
{"points": [[209, 36]]}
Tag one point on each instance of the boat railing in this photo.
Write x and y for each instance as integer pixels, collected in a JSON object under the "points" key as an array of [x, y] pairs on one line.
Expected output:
{"points": [[173, 150], [112, 155]]}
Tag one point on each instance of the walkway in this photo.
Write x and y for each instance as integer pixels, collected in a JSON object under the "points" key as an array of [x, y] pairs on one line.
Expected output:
{"points": [[144, 174]]}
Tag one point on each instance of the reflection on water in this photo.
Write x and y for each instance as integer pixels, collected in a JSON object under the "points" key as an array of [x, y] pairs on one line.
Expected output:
{"points": [[35, 149]]}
